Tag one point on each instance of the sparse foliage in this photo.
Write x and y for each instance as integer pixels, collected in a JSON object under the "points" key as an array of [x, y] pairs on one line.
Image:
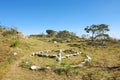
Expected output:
{"points": [[98, 32]]}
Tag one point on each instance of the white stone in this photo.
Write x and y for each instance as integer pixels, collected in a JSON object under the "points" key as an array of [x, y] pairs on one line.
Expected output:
{"points": [[88, 57], [87, 60], [26, 62], [14, 53], [71, 55], [83, 62], [48, 67], [33, 67], [59, 57], [63, 57], [67, 56], [55, 42], [33, 54], [78, 53]]}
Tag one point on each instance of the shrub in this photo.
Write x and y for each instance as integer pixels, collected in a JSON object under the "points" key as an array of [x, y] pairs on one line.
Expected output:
{"points": [[10, 59], [87, 63], [14, 44], [64, 64]]}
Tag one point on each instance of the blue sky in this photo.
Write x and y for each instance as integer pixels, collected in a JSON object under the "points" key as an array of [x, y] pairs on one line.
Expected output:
{"points": [[35, 16]]}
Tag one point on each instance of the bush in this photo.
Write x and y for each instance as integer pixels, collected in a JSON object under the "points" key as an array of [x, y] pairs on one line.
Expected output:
{"points": [[10, 59], [87, 63], [64, 64], [14, 44]]}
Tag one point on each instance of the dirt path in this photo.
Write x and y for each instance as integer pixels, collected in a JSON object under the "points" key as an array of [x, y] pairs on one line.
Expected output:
{"points": [[13, 70]]}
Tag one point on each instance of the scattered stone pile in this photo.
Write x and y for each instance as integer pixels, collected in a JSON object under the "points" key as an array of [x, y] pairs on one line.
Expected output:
{"points": [[45, 54], [59, 57], [42, 54], [72, 55]]}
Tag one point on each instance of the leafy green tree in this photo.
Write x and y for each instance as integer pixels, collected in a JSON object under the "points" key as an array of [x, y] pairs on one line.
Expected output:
{"points": [[103, 28], [93, 30], [98, 31]]}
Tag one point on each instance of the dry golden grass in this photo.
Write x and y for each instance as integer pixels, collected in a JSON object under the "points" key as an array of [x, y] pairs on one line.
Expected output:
{"points": [[96, 70]]}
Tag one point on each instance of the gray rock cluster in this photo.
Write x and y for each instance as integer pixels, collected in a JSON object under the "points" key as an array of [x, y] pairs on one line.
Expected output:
{"points": [[59, 57], [42, 54], [72, 55]]}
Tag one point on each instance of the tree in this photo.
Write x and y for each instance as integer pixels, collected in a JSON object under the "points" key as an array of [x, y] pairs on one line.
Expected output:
{"points": [[93, 30], [103, 28], [51, 33], [98, 31]]}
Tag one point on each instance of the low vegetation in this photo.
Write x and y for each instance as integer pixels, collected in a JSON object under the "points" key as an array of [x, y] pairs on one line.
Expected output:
{"points": [[104, 65]]}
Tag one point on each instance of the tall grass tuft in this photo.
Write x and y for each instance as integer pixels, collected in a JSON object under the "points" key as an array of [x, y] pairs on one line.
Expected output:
{"points": [[14, 44]]}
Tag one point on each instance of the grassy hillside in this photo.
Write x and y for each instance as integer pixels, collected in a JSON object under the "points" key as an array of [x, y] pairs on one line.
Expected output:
{"points": [[105, 63]]}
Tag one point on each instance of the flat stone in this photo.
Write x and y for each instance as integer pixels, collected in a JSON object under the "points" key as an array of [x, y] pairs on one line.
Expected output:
{"points": [[33, 67]]}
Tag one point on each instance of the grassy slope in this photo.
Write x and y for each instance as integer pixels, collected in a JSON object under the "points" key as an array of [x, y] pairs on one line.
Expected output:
{"points": [[101, 59]]}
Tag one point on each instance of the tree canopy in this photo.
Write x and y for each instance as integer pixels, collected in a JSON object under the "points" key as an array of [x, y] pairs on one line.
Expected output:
{"points": [[51, 33], [98, 31]]}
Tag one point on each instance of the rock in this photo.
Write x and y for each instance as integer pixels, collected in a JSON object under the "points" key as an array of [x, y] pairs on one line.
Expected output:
{"points": [[67, 56], [33, 54], [88, 57], [48, 51], [48, 68], [26, 62], [87, 60], [52, 56], [78, 53], [83, 62], [60, 51], [71, 55], [37, 53], [63, 57], [55, 42], [59, 56], [14, 54], [33, 67], [75, 54]]}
